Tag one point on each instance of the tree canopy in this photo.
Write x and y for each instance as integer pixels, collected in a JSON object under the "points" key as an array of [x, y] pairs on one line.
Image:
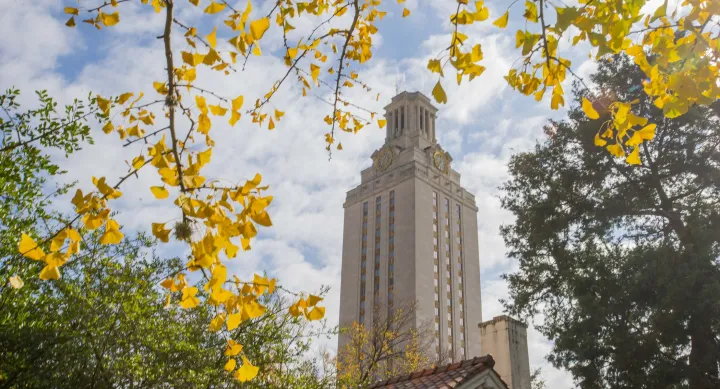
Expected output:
{"points": [[621, 260]]}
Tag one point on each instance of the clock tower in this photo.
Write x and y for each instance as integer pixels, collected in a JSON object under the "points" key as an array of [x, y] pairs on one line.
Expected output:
{"points": [[410, 234]]}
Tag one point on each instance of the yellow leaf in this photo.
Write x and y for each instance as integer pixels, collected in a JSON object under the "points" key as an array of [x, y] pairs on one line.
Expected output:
{"points": [[645, 133], [214, 8], [70, 22], [16, 282], [230, 365], [72, 11], [212, 38], [599, 141], [233, 348], [258, 28], [634, 157], [234, 321], [160, 192], [502, 21], [616, 150], [50, 273], [587, 107], [217, 110], [279, 114], [381, 123], [188, 298], [435, 66], [314, 71], [246, 372], [103, 104], [159, 231], [312, 300], [160, 87], [339, 146], [125, 97], [234, 117], [28, 248], [217, 322], [110, 19], [112, 233], [439, 94], [317, 313], [138, 162], [406, 12], [237, 103], [73, 235], [195, 2]]}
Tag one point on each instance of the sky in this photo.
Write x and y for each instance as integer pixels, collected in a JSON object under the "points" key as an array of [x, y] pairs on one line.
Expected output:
{"points": [[482, 125]]}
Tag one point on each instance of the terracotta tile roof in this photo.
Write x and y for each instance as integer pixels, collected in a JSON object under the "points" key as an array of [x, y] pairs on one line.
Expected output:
{"points": [[441, 377]]}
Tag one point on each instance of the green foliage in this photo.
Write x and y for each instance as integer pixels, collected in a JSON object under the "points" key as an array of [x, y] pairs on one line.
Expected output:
{"points": [[105, 323], [621, 260]]}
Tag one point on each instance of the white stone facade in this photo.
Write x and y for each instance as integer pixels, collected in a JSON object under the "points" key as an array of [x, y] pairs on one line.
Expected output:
{"points": [[400, 238]]}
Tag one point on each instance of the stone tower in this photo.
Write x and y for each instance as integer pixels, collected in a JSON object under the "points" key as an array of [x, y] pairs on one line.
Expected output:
{"points": [[410, 234], [506, 340]]}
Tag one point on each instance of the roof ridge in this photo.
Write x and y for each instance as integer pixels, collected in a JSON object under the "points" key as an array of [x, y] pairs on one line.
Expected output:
{"points": [[486, 361]]}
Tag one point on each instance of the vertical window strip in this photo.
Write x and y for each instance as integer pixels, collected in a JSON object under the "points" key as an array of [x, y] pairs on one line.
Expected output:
{"points": [[391, 252], [363, 264], [436, 266], [461, 294], [376, 272], [448, 270]]}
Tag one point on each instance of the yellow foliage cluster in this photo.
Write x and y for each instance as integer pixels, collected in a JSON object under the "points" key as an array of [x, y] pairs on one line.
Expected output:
{"points": [[676, 48]]}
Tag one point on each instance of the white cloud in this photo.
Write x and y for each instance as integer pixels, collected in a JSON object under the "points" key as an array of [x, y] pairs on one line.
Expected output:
{"points": [[303, 248]]}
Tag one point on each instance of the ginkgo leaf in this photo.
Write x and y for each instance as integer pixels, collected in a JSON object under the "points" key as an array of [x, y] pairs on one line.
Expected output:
{"points": [[616, 150], [599, 141], [217, 110], [112, 235], [28, 248], [230, 365], [258, 28], [339, 146], [188, 298], [314, 71], [160, 192], [71, 11], [435, 66], [233, 321], [233, 348], [110, 19], [271, 124], [634, 157], [237, 103], [502, 21], [160, 87], [317, 313], [16, 282], [406, 12], [645, 133], [70, 22], [195, 2], [246, 372], [439, 93], [212, 38], [279, 114], [234, 117], [587, 107], [381, 123], [214, 8], [159, 231], [50, 273]]}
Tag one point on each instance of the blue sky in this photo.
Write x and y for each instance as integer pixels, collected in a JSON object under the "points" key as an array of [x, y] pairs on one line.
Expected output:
{"points": [[482, 125]]}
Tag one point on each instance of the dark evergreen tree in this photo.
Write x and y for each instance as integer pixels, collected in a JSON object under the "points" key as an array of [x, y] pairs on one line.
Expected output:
{"points": [[622, 261]]}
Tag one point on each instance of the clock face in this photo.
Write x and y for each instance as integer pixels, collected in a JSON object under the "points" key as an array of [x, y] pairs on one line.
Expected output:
{"points": [[384, 160], [441, 162]]}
